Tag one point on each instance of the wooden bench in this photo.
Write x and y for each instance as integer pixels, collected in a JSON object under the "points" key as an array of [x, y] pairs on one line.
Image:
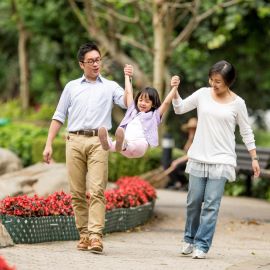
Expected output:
{"points": [[244, 165]]}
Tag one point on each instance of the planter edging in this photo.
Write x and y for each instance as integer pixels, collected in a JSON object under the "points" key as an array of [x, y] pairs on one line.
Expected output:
{"points": [[29, 230]]}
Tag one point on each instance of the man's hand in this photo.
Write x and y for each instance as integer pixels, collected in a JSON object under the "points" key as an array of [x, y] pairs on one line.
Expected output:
{"points": [[128, 70], [47, 154]]}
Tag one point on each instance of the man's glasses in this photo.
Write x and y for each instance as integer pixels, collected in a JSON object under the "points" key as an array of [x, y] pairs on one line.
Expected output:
{"points": [[91, 62]]}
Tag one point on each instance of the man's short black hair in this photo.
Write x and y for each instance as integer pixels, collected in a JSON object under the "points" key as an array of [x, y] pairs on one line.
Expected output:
{"points": [[85, 48]]}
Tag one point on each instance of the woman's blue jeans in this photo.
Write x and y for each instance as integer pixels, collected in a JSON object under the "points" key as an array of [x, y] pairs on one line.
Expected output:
{"points": [[203, 201]]}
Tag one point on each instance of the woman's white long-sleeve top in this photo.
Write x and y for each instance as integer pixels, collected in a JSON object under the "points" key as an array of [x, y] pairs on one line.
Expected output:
{"points": [[214, 140]]}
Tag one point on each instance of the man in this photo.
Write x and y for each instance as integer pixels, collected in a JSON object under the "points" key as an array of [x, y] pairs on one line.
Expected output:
{"points": [[88, 103]]}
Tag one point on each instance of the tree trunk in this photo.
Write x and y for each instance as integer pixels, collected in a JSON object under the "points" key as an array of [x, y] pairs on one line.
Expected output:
{"points": [[24, 65], [159, 48]]}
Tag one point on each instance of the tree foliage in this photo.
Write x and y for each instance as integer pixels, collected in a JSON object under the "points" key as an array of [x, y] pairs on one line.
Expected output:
{"points": [[159, 37]]}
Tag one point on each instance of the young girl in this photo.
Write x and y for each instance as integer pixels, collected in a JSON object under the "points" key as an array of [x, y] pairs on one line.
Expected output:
{"points": [[211, 157], [139, 128]]}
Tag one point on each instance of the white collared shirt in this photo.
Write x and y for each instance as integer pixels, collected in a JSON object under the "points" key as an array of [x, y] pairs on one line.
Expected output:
{"points": [[88, 105]]}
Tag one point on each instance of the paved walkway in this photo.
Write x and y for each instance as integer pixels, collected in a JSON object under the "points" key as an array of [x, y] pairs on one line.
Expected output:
{"points": [[242, 241]]}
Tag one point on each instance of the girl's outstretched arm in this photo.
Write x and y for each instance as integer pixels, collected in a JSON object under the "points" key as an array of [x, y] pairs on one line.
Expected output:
{"points": [[128, 95], [175, 81]]}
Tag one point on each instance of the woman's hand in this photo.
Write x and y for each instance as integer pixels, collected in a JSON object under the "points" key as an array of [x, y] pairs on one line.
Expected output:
{"points": [[256, 168], [175, 81]]}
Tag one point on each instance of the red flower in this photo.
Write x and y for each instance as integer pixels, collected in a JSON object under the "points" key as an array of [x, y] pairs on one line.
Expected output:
{"points": [[4, 265], [131, 192]]}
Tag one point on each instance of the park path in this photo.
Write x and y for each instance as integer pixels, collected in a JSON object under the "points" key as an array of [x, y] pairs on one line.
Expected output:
{"points": [[242, 242]]}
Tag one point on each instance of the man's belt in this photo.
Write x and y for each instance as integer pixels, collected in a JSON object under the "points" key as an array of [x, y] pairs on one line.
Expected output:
{"points": [[87, 132]]}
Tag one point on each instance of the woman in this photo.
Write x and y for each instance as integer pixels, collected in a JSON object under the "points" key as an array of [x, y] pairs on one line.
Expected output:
{"points": [[212, 158]]}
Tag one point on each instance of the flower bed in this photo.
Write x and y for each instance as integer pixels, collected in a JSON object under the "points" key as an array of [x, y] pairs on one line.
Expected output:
{"points": [[131, 192], [37, 219]]}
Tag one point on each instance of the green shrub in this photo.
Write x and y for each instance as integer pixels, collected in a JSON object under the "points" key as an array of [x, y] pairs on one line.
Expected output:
{"points": [[45, 112], [262, 138], [59, 154], [261, 188], [120, 165], [19, 138], [237, 188], [11, 109]]}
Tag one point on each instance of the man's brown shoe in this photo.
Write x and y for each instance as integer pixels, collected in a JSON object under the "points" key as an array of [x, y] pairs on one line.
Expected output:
{"points": [[84, 243], [95, 245]]}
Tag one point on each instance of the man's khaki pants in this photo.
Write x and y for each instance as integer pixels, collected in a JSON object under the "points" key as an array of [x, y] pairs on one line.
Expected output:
{"points": [[87, 167]]}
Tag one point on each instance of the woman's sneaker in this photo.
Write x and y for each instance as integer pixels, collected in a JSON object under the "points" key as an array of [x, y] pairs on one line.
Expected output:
{"points": [[103, 137], [198, 254], [187, 248]]}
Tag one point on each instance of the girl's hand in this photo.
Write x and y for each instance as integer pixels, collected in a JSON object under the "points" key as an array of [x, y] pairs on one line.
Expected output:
{"points": [[175, 81], [128, 70]]}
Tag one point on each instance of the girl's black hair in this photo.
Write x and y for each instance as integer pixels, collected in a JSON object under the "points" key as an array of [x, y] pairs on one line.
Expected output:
{"points": [[153, 95], [226, 70]]}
